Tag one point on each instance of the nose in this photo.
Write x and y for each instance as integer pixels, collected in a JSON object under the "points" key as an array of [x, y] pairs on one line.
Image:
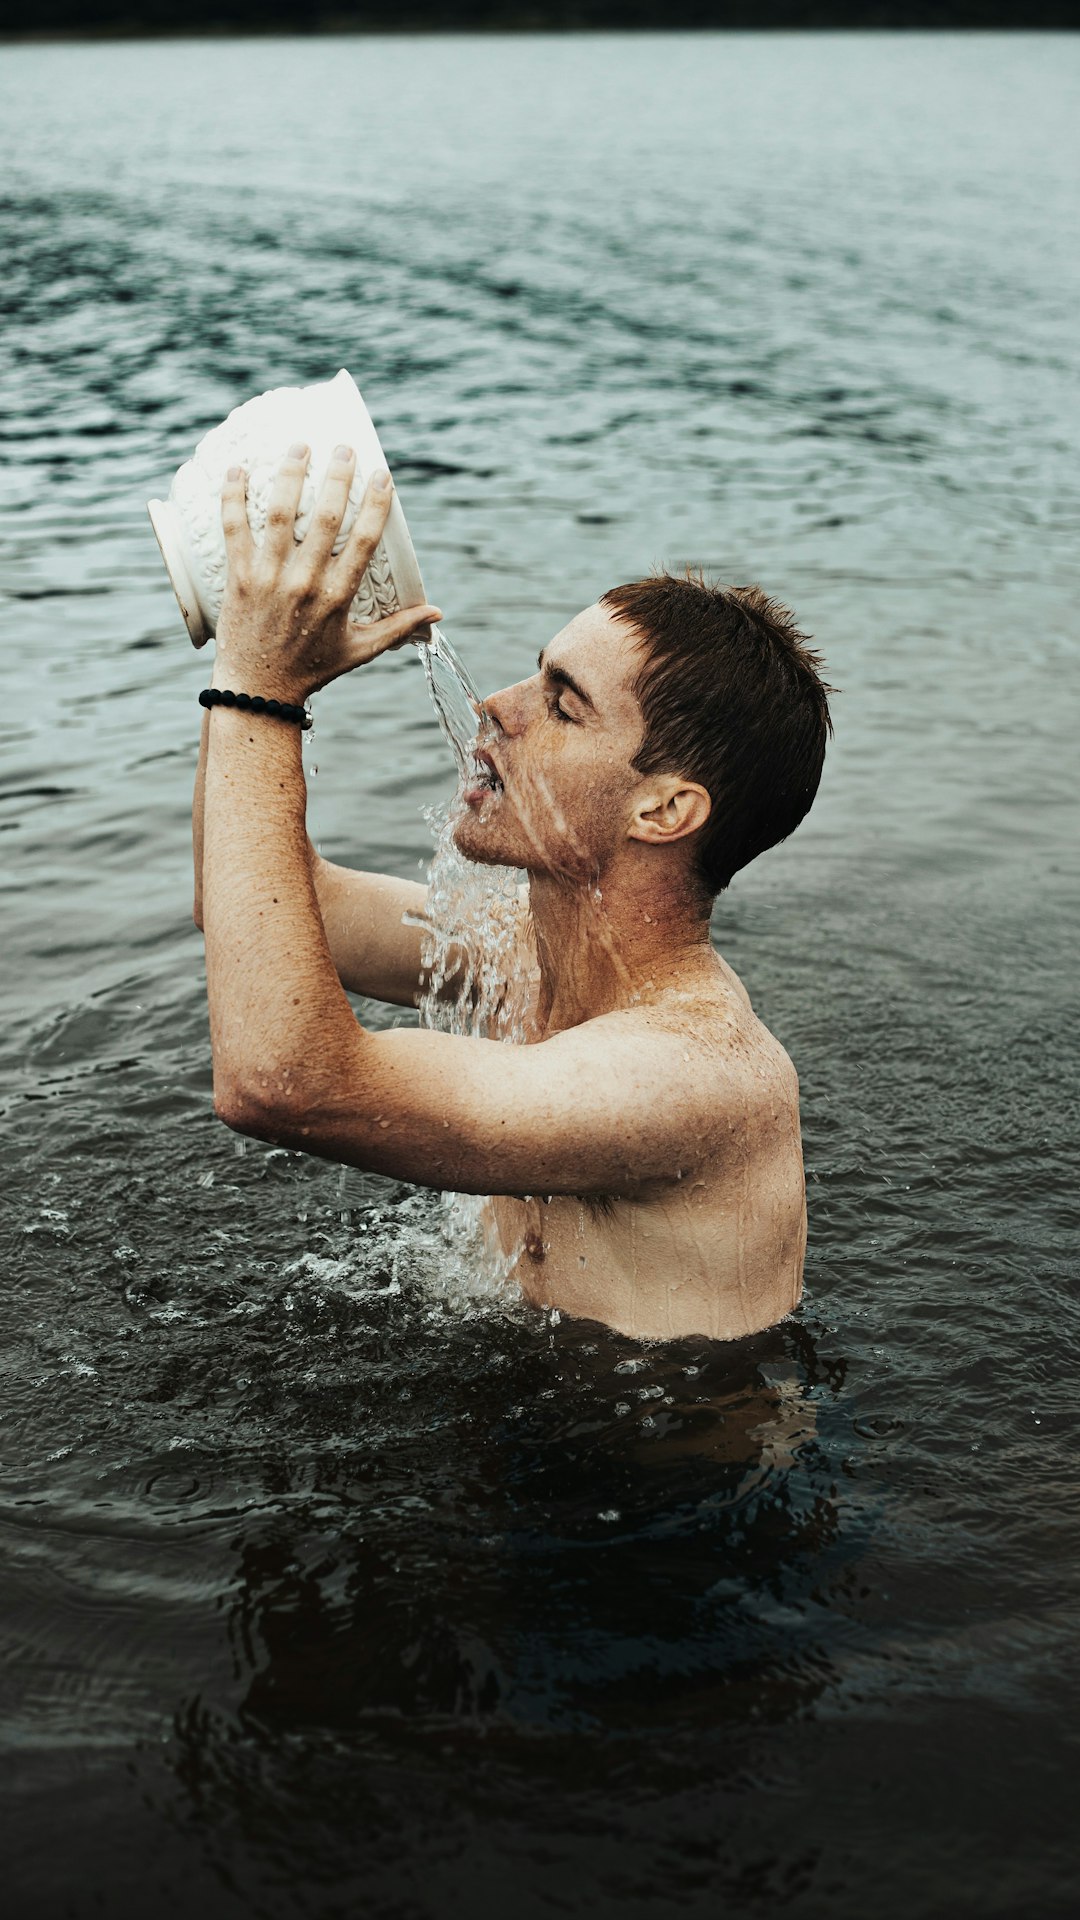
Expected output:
{"points": [[508, 708]]}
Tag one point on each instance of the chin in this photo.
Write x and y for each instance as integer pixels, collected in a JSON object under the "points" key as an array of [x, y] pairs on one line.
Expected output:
{"points": [[491, 836], [480, 843]]}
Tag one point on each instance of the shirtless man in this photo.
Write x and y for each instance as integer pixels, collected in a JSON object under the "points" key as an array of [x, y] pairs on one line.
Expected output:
{"points": [[642, 1151]]}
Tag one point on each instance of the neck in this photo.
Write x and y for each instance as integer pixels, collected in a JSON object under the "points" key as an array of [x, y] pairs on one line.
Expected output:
{"points": [[613, 943]]}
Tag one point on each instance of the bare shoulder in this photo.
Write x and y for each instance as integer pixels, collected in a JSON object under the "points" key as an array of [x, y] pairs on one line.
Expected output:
{"points": [[732, 980], [771, 1059], [728, 1046], [702, 1040]]}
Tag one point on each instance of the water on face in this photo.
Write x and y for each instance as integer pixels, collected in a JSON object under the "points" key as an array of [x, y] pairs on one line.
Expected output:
{"points": [[333, 1582]]}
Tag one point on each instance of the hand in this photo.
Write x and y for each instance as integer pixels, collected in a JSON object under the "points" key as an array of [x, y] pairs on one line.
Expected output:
{"points": [[284, 629]]}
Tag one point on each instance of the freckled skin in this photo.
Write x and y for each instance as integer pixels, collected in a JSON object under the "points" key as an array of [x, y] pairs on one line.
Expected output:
{"points": [[717, 1243], [652, 1118], [719, 1251]]}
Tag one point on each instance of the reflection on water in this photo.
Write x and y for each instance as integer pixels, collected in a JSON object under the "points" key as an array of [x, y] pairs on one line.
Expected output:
{"points": [[373, 1629], [337, 1581]]}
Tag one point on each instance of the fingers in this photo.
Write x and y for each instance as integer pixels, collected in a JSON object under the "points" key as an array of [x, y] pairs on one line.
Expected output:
{"points": [[352, 562], [284, 504], [412, 623], [239, 544], [330, 509]]}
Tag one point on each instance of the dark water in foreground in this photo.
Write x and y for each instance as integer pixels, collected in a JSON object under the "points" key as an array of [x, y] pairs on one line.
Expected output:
{"points": [[331, 1583]]}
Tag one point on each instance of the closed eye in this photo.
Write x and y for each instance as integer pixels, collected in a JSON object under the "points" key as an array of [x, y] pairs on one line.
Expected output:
{"points": [[557, 681], [560, 715]]}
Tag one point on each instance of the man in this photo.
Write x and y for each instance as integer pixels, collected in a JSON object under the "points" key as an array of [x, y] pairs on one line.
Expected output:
{"points": [[642, 1151]]}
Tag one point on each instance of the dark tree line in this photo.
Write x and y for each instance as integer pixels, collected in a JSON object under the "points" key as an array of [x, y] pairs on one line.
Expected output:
{"points": [[136, 17]]}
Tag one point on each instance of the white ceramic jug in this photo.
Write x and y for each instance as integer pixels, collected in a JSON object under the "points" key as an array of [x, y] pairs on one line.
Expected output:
{"points": [[257, 436]]}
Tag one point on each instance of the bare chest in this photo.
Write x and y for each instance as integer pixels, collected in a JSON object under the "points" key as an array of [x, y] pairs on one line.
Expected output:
{"points": [[719, 1253]]}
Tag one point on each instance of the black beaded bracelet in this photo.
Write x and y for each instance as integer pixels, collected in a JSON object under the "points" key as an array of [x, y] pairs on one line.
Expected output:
{"points": [[254, 703]]}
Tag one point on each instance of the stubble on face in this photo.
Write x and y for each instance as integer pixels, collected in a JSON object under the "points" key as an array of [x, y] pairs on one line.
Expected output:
{"points": [[562, 809]]}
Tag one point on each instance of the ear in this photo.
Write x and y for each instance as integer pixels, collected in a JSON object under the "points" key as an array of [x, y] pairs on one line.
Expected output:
{"points": [[668, 810]]}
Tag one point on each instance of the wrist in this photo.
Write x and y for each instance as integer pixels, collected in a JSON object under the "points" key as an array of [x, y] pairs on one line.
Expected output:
{"points": [[229, 700], [258, 677]]}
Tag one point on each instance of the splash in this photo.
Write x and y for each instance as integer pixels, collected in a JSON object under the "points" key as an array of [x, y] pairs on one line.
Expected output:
{"points": [[475, 918], [475, 929]]}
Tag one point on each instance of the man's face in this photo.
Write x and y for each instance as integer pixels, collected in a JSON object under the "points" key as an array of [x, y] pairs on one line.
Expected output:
{"points": [[559, 751]]}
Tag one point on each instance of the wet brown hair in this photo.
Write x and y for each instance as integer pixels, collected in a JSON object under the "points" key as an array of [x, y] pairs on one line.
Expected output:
{"points": [[732, 697]]}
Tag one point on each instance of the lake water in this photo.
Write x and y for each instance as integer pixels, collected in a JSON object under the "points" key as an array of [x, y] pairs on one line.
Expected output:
{"points": [[333, 1582]]}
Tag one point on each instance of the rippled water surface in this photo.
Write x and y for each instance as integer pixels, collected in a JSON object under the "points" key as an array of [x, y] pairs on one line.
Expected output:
{"points": [[334, 1583]]}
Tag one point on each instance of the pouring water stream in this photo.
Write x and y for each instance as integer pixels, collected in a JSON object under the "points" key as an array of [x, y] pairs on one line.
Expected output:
{"points": [[471, 929], [456, 702], [473, 912]]}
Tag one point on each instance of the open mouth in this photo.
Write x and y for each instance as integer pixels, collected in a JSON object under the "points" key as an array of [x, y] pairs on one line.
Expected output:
{"points": [[486, 777]]}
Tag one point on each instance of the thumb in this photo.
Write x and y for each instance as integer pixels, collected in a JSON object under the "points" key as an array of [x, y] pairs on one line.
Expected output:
{"points": [[410, 623]]}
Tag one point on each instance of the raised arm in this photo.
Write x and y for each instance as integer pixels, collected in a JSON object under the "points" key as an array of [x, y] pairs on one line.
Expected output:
{"points": [[370, 919], [590, 1110], [375, 950]]}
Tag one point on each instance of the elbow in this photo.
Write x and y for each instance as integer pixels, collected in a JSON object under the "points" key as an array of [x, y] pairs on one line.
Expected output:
{"points": [[234, 1109], [255, 1111], [283, 1102]]}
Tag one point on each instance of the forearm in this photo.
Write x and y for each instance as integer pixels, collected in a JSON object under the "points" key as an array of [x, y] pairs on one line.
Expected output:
{"points": [[277, 1010], [198, 814], [372, 932], [374, 951], [198, 809]]}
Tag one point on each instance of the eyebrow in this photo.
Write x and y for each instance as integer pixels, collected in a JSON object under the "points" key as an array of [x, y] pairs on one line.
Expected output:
{"points": [[563, 679]]}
